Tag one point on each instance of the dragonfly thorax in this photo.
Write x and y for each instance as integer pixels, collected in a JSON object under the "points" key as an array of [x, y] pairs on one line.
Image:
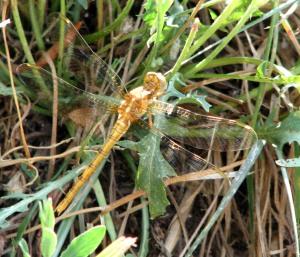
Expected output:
{"points": [[135, 104]]}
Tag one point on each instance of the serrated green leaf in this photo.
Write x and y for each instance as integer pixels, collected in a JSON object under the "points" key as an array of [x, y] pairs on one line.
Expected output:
{"points": [[287, 131], [86, 243], [195, 99], [182, 98], [154, 187], [128, 144], [152, 169], [172, 90], [24, 248], [48, 242]]}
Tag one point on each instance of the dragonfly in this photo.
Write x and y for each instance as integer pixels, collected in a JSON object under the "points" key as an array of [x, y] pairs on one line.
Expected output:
{"points": [[182, 133]]}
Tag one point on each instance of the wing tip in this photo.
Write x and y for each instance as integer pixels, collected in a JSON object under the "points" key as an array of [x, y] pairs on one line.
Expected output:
{"points": [[23, 67]]}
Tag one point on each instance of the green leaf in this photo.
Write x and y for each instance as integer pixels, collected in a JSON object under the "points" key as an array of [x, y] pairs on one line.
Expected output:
{"points": [[118, 247], [152, 169], [46, 213], [24, 247], [172, 90], [192, 98], [48, 242], [240, 10], [86, 243], [7, 91], [261, 69], [49, 238], [212, 14], [195, 99], [287, 131], [150, 13], [153, 9], [154, 17]]}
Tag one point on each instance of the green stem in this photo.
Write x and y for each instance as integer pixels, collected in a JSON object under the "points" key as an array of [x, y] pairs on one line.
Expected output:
{"points": [[266, 57], [215, 26], [144, 242], [98, 190], [61, 36], [20, 31], [186, 49], [223, 61], [277, 80], [153, 53], [25, 46], [41, 6], [36, 26], [250, 10]]}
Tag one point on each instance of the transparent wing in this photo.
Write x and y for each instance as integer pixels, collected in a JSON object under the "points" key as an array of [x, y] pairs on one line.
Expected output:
{"points": [[84, 66], [201, 131], [70, 97], [79, 63], [186, 136], [83, 73], [182, 159]]}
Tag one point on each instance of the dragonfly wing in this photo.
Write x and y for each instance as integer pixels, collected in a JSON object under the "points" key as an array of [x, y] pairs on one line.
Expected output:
{"points": [[70, 97], [201, 131], [181, 159], [82, 64]]}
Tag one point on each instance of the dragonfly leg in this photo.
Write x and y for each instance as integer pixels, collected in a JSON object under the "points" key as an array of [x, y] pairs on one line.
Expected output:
{"points": [[150, 119]]}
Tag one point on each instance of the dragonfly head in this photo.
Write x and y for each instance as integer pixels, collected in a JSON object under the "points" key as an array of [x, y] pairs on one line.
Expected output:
{"points": [[155, 83]]}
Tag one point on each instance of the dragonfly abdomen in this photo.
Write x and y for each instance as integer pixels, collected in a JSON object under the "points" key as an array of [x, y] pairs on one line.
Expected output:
{"points": [[119, 129]]}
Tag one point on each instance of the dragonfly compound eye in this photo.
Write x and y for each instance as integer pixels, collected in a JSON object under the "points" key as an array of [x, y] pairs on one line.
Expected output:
{"points": [[155, 82]]}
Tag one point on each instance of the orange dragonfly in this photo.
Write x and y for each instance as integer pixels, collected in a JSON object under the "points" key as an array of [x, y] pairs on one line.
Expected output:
{"points": [[182, 133]]}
